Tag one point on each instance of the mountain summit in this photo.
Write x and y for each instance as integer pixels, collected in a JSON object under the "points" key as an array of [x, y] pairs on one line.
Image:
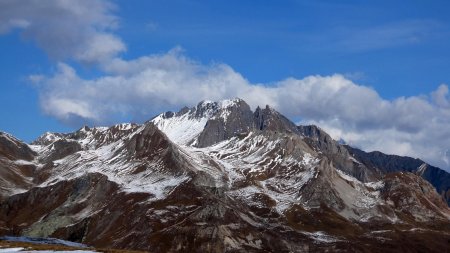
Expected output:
{"points": [[219, 177], [207, 123], [211, 122]]}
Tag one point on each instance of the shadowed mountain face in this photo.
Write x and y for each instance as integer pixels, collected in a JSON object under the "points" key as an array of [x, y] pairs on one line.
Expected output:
{"points": [[16, 167], [383, 163], [219, 177]]}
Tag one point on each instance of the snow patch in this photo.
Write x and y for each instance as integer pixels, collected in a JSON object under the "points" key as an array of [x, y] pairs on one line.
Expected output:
{"points": [[321, 237], [5, 250], [183, 129], [377, 185], [23, 162]]}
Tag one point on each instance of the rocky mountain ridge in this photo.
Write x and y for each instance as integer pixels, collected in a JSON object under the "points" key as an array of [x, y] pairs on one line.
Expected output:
{"points": [[383, 164], [217, 177]]}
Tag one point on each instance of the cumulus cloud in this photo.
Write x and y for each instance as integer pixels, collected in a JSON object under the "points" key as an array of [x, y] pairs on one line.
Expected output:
{"points": [[64, 28]]}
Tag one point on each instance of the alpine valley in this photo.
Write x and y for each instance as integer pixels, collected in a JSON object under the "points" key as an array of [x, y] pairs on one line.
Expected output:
{"points": [[219, 177]]}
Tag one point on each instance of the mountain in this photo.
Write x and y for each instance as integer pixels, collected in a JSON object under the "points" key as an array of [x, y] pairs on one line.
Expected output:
{"points": [[383, 164], [217, 177], [372, 165]]}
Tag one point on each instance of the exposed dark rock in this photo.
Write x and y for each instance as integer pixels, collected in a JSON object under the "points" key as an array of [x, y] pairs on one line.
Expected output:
{"points": [[14, 149], [60, 149], [384, 163], [271, 120], [337, 153], [227, 122]]}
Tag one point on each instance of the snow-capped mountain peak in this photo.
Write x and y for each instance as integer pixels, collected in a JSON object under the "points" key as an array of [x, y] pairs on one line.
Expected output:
{"points": [[186, 126]]}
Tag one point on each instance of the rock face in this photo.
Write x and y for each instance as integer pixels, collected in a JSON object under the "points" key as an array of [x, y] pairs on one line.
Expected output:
{"points": [[16, 166], [271, 120], [217, 177], [340, 156], [382, 164], [229, 119], [12, 148]]}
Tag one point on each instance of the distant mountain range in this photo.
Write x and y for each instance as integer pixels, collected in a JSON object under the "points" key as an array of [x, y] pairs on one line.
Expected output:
{"points": [[219, 177]]}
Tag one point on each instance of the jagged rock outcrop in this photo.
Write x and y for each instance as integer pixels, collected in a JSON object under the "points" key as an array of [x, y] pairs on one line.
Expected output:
{"points": [[228, 120], [269, 119], [337, 153]]}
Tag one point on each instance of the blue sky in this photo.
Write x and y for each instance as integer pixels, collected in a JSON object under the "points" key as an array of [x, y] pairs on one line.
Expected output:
{"points": [[399, 49], [396, 53]]}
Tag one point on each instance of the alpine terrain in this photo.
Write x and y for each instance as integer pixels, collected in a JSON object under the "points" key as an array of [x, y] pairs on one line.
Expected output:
{"points": [[219, 177]]}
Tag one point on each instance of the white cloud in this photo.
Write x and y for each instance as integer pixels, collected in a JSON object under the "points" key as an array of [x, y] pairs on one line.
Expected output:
{"points": [[64, 28], [440, 96]]}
